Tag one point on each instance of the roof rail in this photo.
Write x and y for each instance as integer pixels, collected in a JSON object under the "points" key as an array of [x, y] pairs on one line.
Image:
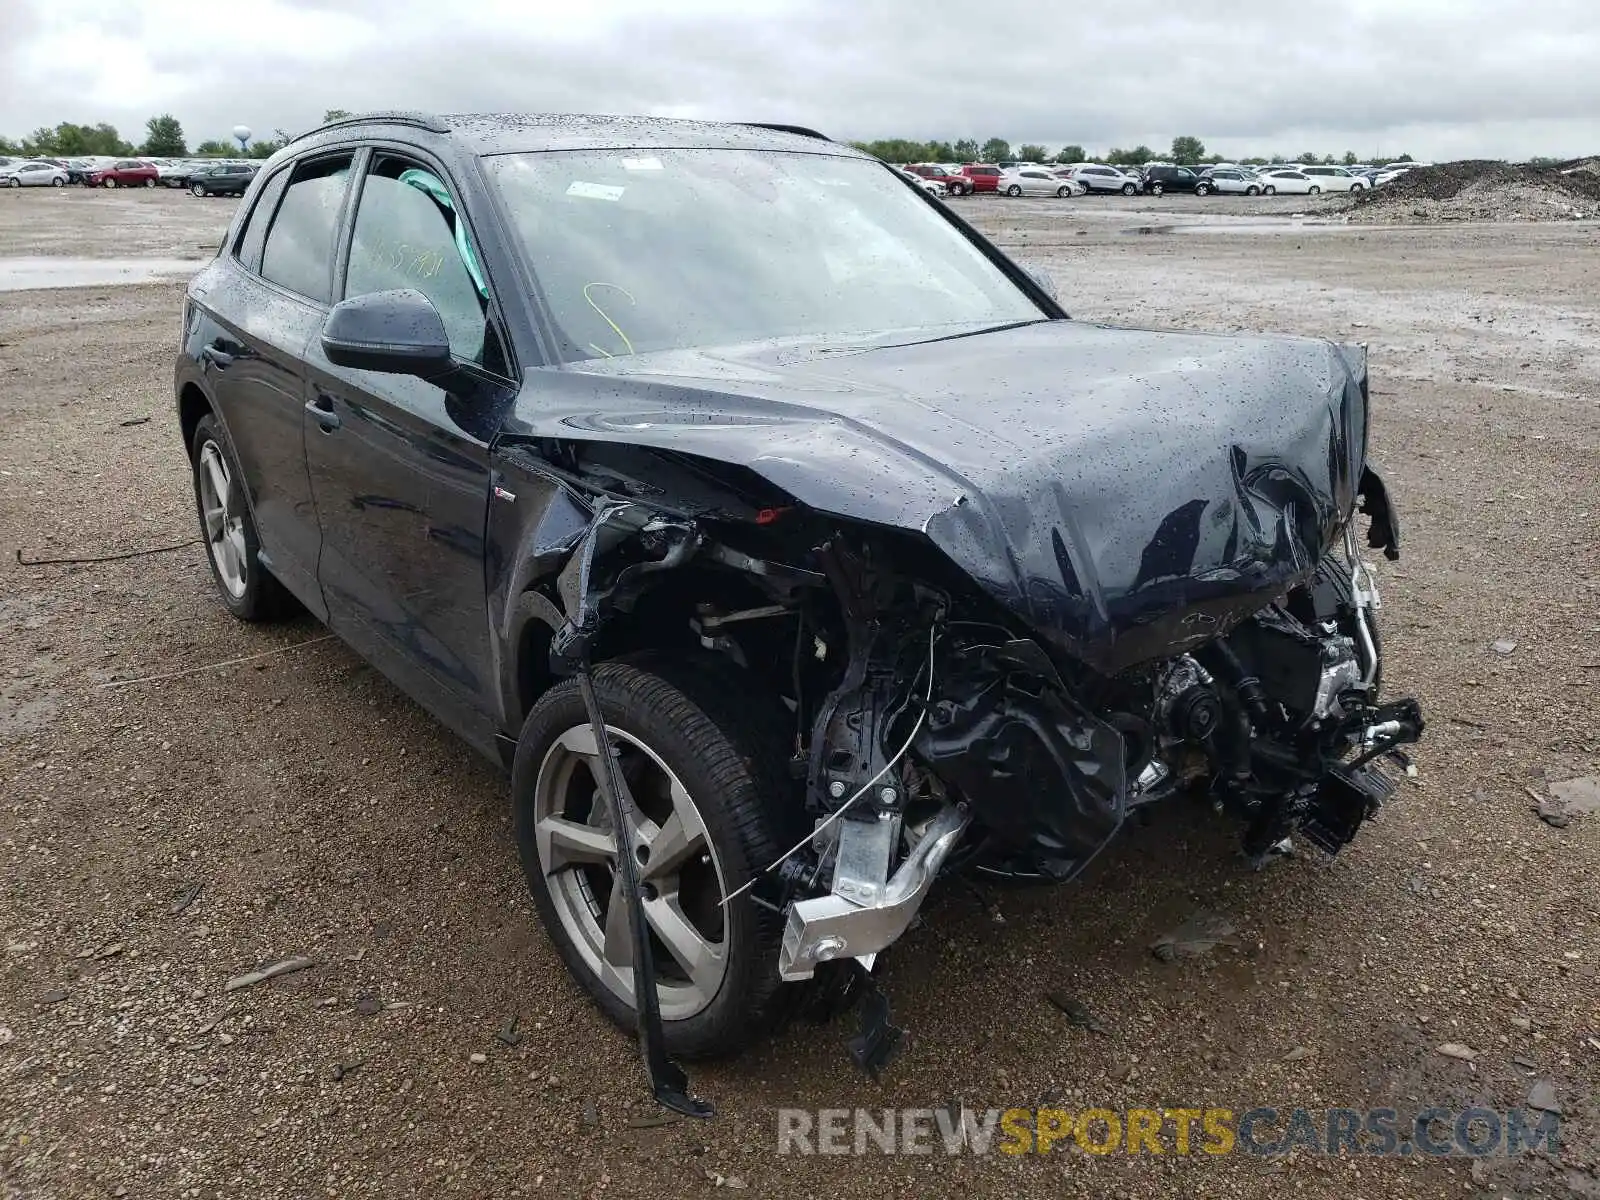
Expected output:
{"points": [[800, 130], [420, 120]]}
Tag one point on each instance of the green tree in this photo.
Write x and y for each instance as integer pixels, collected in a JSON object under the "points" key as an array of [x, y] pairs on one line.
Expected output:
{"points": [[1187, 151], [266, 149], [214, 149], [1029, 152], [164, 137], [9, 148], [335, 114], [966, 150], [1308, 158], [941, 152], [1404, 158], [1350, 158], [996, 150], [1136, 157], [1071, 154]]}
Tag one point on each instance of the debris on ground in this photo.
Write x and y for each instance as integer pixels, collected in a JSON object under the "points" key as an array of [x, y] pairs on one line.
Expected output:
{"points": [[186, 896], [1578, 797], [1076, 1012], [1484, 190], [1197, 936], [1503, 645], [1542, 1096], [287, 967], [1457, 1050], [1297, 1054]]}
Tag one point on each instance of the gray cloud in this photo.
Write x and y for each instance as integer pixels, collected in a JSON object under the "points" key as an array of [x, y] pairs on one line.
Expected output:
{"points": [[1439, 78]]}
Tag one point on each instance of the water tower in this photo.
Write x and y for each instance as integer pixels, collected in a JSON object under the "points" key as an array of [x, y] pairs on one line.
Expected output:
{"points": [[242, 134]]}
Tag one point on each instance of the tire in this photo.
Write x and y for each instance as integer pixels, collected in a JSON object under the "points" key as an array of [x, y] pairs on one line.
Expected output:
{"points": [[1252, 190], [1013, 190], [1063, 193], [198, 189], [1129, 189], [1358, 187], [110, 183], [695, 720], [1314, 190], [14, 182], [1202, 189], [58, 182], [247, 589], [1157, 189], [1269, 190], [149, 183]]}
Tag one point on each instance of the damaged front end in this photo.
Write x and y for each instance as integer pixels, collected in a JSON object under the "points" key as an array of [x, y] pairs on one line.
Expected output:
{"points": [[934, 731]]}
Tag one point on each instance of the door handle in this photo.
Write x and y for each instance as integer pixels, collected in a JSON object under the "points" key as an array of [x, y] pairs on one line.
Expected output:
{"points": [[322, 409]]}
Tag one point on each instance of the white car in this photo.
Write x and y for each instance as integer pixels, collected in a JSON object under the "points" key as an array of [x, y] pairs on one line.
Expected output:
{"points": [[932, 186], [1284, 182], [1334, 179], [1037, 181], [33, 174]]}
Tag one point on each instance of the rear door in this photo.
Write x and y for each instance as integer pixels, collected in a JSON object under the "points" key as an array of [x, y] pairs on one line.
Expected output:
{"points": [[259, 325], [400, 465]]}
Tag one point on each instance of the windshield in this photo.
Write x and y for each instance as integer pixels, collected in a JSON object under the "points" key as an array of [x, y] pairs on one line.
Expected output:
{"points": [[670, 249]]}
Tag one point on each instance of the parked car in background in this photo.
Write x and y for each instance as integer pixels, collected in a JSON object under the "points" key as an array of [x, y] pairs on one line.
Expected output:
{"points": [[223, 179], [1285, 182], [124, 172], [33, 173], [954, 182], [1097, 177], [1334, 179], [77, 168], [175, 173], [1037, 181], [1236, 181], [1160, 179], [985, 176]]}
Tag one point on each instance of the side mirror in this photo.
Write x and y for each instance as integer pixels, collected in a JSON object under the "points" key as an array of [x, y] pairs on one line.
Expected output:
{"points": [[1043, 279], [398, 332]]}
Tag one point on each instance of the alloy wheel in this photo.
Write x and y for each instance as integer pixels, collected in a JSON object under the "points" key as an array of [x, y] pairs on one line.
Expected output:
{"points": [[679, 872], [224, 525]]}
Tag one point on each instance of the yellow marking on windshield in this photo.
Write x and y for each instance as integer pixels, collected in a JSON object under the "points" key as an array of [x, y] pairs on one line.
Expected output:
{"points": [[615, 328]]}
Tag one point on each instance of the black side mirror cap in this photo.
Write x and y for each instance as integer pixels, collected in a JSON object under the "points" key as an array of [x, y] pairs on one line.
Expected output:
{"points": [[398, 332]]}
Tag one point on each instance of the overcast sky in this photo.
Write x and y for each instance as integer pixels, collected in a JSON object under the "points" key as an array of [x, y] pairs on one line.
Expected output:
{"points": [[1435, 78]]}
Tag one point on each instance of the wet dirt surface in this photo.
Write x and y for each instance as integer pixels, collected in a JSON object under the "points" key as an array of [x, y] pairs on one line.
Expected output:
{"points": [[160, 839]]}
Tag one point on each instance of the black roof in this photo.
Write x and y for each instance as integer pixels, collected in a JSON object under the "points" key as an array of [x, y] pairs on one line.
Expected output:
{"points": [[508, 133]]}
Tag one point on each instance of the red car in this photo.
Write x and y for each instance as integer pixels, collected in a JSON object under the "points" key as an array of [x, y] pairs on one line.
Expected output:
{"points": [[959, 185], [985, 177], [125, 172]]}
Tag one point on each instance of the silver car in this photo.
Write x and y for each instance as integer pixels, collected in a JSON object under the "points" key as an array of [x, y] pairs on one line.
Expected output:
{"points": [[1038, 181], [1237, 181], [33, 174]]}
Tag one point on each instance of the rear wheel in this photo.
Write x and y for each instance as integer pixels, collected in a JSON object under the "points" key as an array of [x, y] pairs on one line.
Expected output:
{"points": [[1157, 189], [229, 529], [704, 764], [149, 183]]}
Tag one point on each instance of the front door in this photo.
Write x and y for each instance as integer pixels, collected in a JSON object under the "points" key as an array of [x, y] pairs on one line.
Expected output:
{"points": [[400, 467]]}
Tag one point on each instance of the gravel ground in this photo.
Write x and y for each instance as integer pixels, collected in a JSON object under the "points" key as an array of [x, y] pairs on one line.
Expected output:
{"points": [[163, 838]]}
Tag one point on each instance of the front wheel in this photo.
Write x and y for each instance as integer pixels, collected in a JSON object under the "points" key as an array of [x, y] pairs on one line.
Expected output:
{"points": [[712, 806], [111, 183], [58, 182], [1202, 190], [1269, 190], [1063, 192], [13, 182], [1358, 187], [229, 529], [1129, 189], [1313, 190], [198, 189], [1013, 190], [1252, 190]]}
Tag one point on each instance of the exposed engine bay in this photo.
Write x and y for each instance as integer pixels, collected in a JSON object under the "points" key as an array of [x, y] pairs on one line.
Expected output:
{"points": [[933, 732]]}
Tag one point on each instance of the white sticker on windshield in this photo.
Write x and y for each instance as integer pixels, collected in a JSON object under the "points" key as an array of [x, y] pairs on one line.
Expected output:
{"points": [[594, 191], [641, 164]]}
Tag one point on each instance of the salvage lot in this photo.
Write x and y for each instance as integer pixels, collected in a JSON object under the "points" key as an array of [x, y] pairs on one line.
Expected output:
{"points": [[324, 815]]}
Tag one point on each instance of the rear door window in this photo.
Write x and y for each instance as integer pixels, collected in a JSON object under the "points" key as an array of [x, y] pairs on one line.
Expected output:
{"points": [[299, 249]]}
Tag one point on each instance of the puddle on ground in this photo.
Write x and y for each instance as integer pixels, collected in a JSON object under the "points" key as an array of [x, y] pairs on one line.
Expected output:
{"points": [[1229, 228], [24, 273]]}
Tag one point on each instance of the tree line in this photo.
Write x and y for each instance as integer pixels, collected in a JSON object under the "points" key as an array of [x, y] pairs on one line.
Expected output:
{"points": [[1186, 151], [164, 138]]}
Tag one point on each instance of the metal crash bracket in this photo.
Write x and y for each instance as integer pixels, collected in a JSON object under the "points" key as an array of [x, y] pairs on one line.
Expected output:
{"points": [[880, 1041], [668, 1083]]}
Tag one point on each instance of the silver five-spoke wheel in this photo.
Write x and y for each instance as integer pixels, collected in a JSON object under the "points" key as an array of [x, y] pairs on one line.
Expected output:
{"points": [[224, 525], [680, 877]]}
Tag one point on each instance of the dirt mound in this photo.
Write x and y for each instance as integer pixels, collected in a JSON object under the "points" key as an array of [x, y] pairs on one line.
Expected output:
{"points": [[1485, 190]]}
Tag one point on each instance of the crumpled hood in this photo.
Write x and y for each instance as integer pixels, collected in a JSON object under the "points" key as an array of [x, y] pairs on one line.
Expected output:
{"points": [[1128, 493]]}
